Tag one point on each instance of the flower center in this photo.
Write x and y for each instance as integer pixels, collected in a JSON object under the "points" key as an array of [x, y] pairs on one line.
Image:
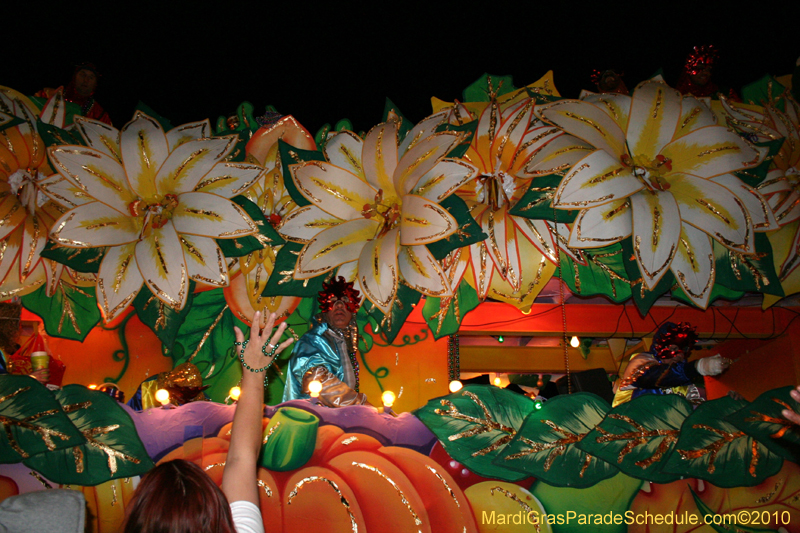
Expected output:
{"points": [[494, 192], [155, 214], [388, 215], [23, 184], [651, 172]]}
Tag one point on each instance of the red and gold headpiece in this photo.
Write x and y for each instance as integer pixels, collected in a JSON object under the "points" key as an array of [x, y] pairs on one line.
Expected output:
{"points": [[338, 289], [670, 334], [701, 57]]}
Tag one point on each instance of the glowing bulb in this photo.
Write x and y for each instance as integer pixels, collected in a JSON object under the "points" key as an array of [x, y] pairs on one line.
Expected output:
{"points": [[93, 386], [537, 405], [314, 388], [497, 382], [574, 342], [501, 339], [162, 395], [388, 398], [455, 385], [235, 393]]}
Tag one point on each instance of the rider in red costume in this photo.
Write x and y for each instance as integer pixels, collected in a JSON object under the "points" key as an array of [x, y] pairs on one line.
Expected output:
{"points": [[80, 91]]}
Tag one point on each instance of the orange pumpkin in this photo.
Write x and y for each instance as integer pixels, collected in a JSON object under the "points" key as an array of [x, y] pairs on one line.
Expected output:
{"points": [[106, 503], [350, 480]]}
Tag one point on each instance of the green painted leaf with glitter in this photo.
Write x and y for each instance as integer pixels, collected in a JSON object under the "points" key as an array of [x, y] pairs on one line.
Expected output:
{"points": [[388, 326], [242, 246], [405, 125], [754, 176], [705, 510], [111, 450], [545, 447], [613, 495], [444, 322], [163, 320], [70, 110], [468, 129], [717, 291], [53, 135], [639, 436], [764, 90], [78, 259], [642, 297], [70, 313], [282, 283], [713, 449], [479, 91], [748, 273], [603, 274], [537, 202], [475, 424], [762, 420], [32, 420], [15, 121], [469, 232], [291, 156]]}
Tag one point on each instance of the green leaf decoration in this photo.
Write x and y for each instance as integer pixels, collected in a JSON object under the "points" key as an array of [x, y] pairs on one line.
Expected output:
{"points": [[289, 439], [112, 448], [748, 272], [642, 297], [538, 202], [540, 97], [755, 176], [9, 121], [144, 108], [717, 292], [468, 232], [70, 313], [603, 274], [78, 259], [32, 420], [282, 282], [722, 527], [762, 91], [713, 449], [482, 88], [612, 495], [70, 110], [405, 123], [468, 128], [545, 445], [444, 315], [321, 137], [241, 246], [159, 317], [292, 156], [475, 424], [389, 325], [246, 124], [639, 436], [762, 420], [53, 135]]}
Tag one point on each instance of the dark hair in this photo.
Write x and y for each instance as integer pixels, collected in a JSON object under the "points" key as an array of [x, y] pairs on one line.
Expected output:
{"points": [[178, 497]]}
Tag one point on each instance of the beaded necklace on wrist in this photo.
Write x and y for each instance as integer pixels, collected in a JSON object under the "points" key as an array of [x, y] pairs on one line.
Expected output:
{"points": [[264, 351]]}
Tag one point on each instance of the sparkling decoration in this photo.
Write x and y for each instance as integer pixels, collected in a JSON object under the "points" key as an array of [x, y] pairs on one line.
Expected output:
{"points": [[453, 359]]}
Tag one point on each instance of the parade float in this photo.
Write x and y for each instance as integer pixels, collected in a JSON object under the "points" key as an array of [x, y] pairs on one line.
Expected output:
{"points": [[482, 238]]}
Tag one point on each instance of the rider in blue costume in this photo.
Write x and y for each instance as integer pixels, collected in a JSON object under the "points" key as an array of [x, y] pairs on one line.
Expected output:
{"points": [[327, 352]]}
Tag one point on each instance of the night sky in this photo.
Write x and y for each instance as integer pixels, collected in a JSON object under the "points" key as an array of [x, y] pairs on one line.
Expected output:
{"points": [[325, 64]]}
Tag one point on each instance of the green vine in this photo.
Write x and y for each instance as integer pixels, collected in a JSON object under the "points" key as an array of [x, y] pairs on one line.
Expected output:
{"points": [[121, 354], [406, 339]]}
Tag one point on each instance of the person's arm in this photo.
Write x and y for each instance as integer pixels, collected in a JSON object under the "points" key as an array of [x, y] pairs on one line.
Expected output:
{"points": [[239, 477]]}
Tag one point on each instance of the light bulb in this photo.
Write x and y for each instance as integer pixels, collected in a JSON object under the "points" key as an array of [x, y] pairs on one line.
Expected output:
{"points": [[235, 393], [162, 395], [455, 385], [314, 388], [574, 342], [497, 381], [388, 398]]}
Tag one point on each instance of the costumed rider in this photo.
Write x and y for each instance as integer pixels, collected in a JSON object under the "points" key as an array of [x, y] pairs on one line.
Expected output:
{"points": [[327, 352], [664, 370]]}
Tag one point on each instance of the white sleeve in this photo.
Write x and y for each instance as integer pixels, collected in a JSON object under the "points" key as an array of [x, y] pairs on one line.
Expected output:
{"points": [[247, 517]]}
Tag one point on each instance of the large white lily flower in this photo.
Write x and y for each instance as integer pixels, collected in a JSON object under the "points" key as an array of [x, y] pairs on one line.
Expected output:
{"points": [[374, 207], [157, 200], [661, 172]]}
